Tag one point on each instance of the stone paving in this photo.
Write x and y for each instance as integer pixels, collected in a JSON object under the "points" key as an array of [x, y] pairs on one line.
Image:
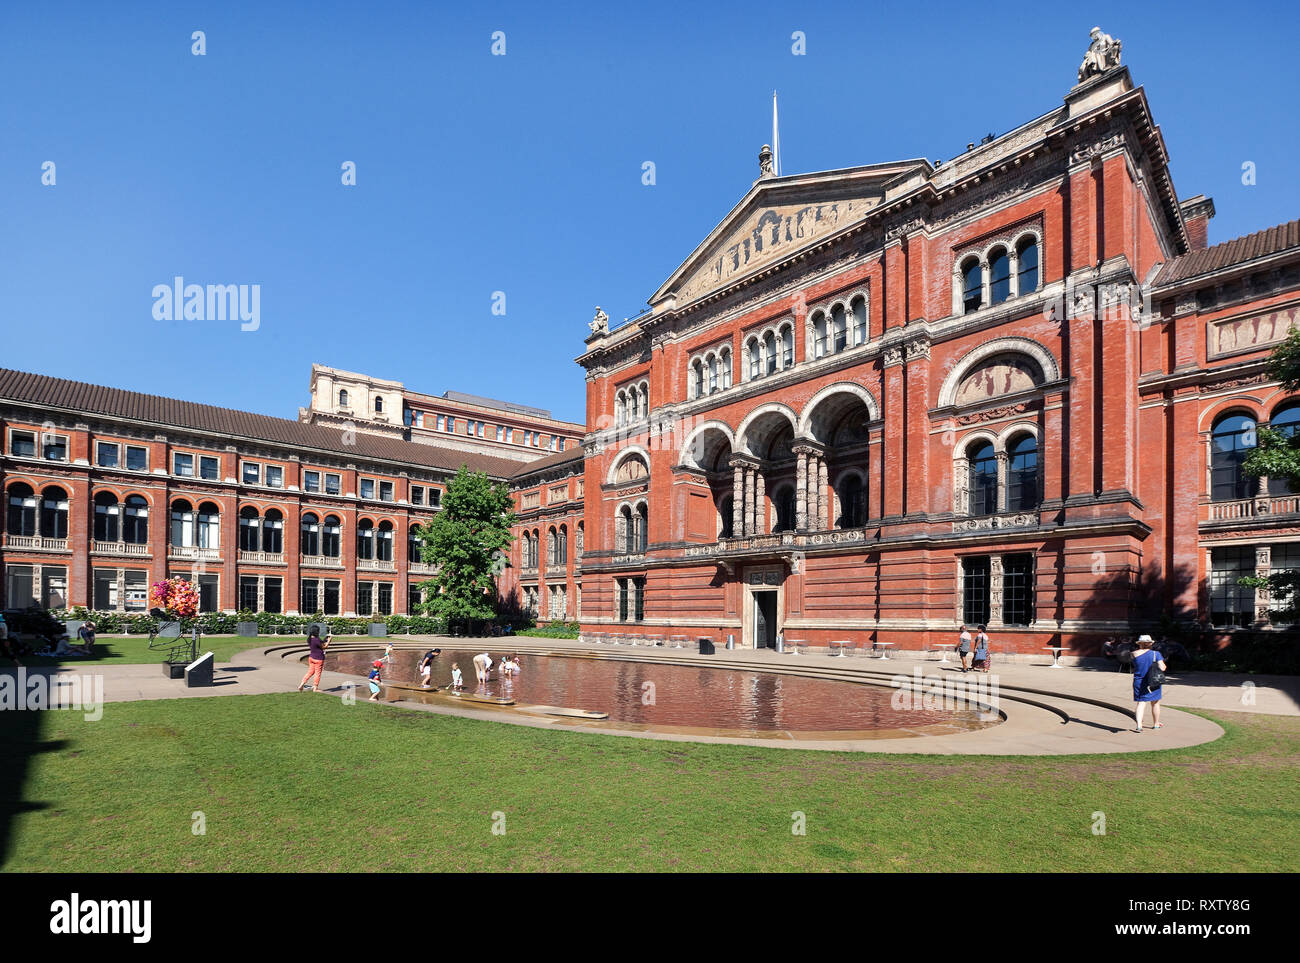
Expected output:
{"points": [[1037, 699]]}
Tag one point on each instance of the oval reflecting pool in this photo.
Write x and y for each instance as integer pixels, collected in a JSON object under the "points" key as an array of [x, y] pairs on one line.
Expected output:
{"points": [[668, 696]]}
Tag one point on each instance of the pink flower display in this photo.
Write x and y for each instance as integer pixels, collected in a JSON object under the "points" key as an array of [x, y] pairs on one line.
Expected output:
{"points": [[175, 596]]}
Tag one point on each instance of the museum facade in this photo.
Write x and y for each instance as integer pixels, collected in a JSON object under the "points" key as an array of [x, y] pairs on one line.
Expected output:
{"points": [[1013, 388]]}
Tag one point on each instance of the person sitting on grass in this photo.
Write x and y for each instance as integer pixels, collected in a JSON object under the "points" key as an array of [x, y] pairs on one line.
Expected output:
{"points": [[87, 635]]}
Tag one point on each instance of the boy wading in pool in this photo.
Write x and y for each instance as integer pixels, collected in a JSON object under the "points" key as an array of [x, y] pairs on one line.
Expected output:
{"points": [[375, 680]]}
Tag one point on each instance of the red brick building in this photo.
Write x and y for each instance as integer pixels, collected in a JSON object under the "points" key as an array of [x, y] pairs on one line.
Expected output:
{"points": [[107, 491], [1013, 388], [544, 577]]}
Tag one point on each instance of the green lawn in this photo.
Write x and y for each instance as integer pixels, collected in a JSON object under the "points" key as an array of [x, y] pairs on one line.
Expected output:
{"points": [[306, 783], [125, 649]]}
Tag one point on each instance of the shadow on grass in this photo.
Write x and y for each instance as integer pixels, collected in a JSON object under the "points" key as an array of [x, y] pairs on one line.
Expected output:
{"points": [[20, 742]]}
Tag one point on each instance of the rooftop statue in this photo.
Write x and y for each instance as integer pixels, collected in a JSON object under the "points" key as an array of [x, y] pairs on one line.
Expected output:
{"points": [[1103, 54], [600, 323]]}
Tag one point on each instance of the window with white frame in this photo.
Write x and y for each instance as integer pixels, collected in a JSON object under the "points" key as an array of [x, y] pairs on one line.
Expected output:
{"points": [[107, 454]]}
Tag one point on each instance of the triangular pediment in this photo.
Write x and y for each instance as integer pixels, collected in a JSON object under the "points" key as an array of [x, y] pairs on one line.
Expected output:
{"points": [[779, 217]]}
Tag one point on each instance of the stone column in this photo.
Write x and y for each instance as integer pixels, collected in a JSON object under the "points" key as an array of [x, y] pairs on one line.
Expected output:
{"points": [[749, 500], [737, 499], [823, 503], [1263, 566], [1001, 503], [995, 591], [801, 492], [760, 508]]}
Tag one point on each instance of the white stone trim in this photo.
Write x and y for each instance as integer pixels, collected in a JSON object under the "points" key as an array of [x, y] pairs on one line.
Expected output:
{"points": [[1010, 345]]}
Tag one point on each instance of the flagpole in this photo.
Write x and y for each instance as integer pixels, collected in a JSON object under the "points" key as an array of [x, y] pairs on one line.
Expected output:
{"points": [[776, 139]]}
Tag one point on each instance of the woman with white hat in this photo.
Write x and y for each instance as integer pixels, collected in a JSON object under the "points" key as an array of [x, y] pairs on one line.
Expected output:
{"points": [[1146, 682]]}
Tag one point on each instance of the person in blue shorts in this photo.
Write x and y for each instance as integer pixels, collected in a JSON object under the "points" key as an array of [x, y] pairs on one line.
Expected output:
{"points": [[375, 679], [1145, 658]]}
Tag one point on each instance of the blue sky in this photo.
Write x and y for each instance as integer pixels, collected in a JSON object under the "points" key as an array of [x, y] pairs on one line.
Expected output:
{"points": [[521, 174]]}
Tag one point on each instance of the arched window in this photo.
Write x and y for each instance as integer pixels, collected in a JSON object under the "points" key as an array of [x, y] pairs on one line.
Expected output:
{"points": [[1027, 265], [819, 335], [309, 538], [785, 508], [273, 532], [552, 549], [619, 405], [331, 537], [135, 520], [769, 353], [54, 513], [972, 285], [787, 346], [697, 378], [1231, 442], [713, 374], [724, 362], [563, 547], [839, 328], [22, 510], [414, 552], [999, 275], [182, 534], [384, 542], [107, 517], [1286, 422], [249, 529], [1022, 474], [753, 357], [626, 531], [642, 527], [343, 399], [579, 543], [983, 480], [725, 516], [853, 503], [379, 404], [208, 531], [365, 539], [859, 307]]}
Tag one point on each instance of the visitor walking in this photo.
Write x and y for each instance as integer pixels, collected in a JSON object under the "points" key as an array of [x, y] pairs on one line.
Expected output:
{"points": [[963, 645], [1148, 678], [315, 660], [375, 679], [981, 655]]}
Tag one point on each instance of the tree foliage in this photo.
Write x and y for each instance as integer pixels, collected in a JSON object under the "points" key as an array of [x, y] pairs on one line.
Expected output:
{"points": [[465, 542]]}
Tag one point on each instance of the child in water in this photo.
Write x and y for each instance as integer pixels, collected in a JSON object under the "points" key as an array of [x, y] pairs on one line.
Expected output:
{"points": [[388, 654], [457, 682], [375, 680]]}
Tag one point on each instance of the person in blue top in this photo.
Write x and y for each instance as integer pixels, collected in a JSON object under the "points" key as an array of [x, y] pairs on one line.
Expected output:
{"points": [[1145, 658]]}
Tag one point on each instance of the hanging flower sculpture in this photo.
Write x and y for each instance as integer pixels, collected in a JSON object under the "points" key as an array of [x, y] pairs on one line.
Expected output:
{"points": [[175, 596]]}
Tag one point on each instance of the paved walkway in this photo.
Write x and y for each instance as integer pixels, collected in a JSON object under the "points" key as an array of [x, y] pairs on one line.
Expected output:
{"points": [[1048, 711]]}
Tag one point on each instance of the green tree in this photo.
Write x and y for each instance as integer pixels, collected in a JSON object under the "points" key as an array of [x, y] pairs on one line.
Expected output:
{"points": [[466, 542], [1277, 455]]}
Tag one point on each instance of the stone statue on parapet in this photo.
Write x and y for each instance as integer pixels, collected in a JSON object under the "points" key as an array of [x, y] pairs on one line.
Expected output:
{"points": [[600, 323], [1103, 54]]}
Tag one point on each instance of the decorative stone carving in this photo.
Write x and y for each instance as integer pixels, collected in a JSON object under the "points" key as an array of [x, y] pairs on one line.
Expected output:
{"points": [[1087, 151], [999, 375], [765, 168], [918, 349], [600, 323], [1103, 54], [893, 356], [907, 227], [1240, 334], [993, 413]]}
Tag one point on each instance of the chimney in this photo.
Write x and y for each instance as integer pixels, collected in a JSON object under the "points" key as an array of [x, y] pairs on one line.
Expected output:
{"points": [[1197, 212]]}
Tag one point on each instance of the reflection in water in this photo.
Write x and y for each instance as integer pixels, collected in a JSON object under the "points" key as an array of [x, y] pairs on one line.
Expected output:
{"points": [[677, 695]]}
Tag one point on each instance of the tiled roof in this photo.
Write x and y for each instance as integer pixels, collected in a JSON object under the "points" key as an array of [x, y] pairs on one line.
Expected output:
{"points": [[1237, 251], [78, 396], [550, 461]]}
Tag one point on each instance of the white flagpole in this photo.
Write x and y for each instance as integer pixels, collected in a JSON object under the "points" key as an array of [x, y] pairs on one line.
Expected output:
{"points": [[776, 139]]}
